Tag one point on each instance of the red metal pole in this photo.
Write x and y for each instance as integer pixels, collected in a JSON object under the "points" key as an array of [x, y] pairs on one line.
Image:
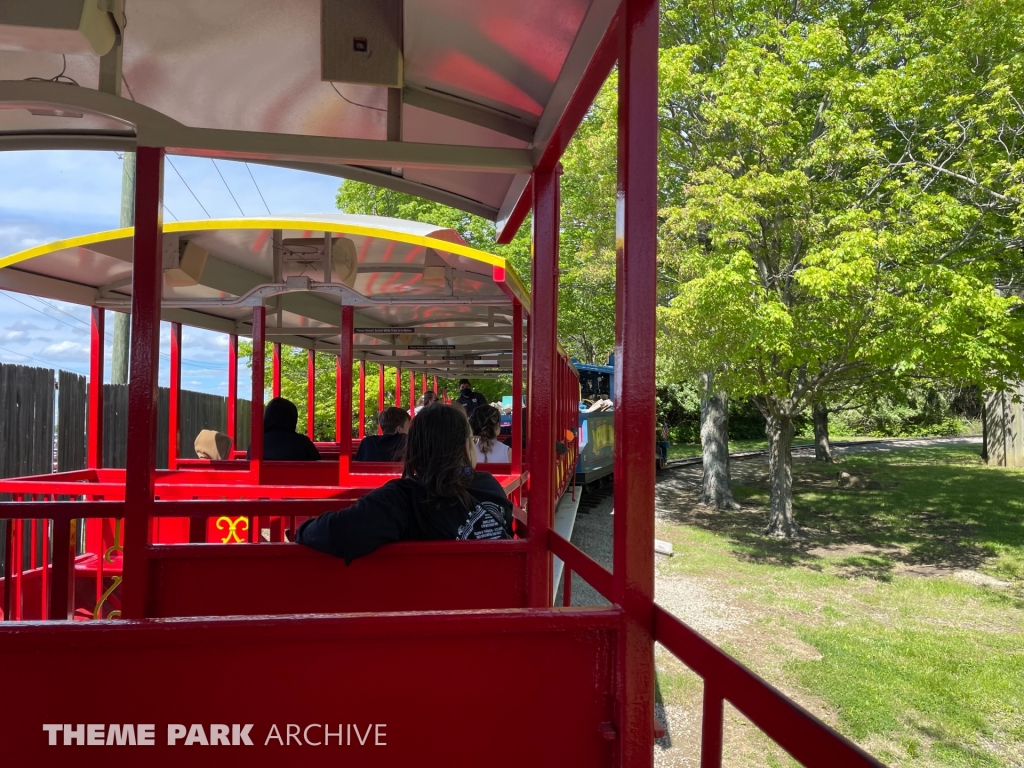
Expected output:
{"points": [[380, 388], [276, 382], [517, 388], [345, 361], [398, 387], [144, 359], [259, 364], [337, 400], [174, 401], [412, 391], [232, 425], [435, 385], [96, 389], [424, 390], [634, 419], [362, 399], [543, 395], [310, 392]]}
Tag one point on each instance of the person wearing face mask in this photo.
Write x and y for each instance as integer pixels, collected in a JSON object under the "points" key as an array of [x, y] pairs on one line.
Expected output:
{"points": [[469, 399], [440, 496]]}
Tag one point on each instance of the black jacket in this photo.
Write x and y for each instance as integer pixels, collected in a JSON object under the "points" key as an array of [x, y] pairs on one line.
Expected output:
{"points": [[382, 448], [280, 440], [400, 511], [470, 400]]}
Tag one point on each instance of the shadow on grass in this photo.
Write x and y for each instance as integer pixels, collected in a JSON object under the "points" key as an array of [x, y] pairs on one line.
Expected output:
{"points": [[938, 510]]}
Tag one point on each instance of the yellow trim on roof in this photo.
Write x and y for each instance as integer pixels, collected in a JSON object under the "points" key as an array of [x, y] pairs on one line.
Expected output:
{"points": [[303, 224], [60, 245]]}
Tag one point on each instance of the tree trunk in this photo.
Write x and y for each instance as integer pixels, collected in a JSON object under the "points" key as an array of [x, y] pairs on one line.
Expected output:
{"points": [[716, 487], [822, 448], [781, 524], [122, 321]]}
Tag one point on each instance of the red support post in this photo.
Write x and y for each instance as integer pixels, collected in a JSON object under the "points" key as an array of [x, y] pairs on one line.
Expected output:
{"points": [[259, 365], [435, 385], [337, 399], [144, 361], [517, 388], [543, 394], [345, 361], [635, 301], [398, 387], [174, 400], [276, 381], [310, 392], [412, 391], [424, 390], [232, 425], [96, 389], [380, 392], [362, 399]]}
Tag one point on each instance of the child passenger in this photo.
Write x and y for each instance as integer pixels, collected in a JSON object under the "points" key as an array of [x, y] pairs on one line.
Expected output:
{"points": [[439, 496]]}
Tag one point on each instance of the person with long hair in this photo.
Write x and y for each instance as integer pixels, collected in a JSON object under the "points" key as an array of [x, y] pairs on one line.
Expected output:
{"points": [[486, 424], [439, 496]]}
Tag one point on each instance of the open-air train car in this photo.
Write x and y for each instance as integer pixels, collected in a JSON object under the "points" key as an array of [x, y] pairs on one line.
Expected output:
{"points": [[423, 653]]}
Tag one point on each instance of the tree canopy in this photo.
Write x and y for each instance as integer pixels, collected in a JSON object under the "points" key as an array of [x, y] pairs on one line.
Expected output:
{"points": [[817, 231]]}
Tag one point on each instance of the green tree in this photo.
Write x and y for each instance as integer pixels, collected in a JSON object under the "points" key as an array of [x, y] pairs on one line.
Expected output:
{"points": [[808, 249]]}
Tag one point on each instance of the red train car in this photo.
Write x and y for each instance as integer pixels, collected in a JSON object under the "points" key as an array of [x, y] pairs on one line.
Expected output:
{"points": [[424, 653]]}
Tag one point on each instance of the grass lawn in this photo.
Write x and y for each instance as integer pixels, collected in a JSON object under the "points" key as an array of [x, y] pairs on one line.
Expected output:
{"points": [[900, 615]]}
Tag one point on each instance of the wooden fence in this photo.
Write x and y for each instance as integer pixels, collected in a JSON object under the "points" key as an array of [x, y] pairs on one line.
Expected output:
{"points": [[30, 446], [1003, 428], [197, 411]]}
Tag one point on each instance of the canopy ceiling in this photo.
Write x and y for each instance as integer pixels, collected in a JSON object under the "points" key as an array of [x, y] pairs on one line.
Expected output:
{"points": [[423, 299], [486, 86]]}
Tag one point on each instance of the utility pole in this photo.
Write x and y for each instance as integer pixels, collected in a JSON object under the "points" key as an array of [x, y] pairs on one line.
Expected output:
{"points": [[122, 321]]}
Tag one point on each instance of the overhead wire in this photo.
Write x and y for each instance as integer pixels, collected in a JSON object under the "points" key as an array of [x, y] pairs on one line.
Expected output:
{"points": [[258, 188], [169, 162], [120, 156], [88, 328], [44, 362], [353, 103], [217, 169]]}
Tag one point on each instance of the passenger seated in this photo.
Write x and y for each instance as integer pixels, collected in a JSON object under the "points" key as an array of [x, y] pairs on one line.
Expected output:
{"points": [[394, 423], [280, 440], [426, 399], [486, 423], [439, 496]]}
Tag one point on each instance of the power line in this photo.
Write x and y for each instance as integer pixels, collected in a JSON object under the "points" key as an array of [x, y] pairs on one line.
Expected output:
{"points": [[188, 187], [44, 362], [88, 328], [171, 212], [355, 104], [217, 168], [258, 189]]}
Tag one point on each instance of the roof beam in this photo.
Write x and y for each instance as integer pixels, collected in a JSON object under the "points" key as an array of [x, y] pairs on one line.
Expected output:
{"points": [[469, 112], [154, 129]]}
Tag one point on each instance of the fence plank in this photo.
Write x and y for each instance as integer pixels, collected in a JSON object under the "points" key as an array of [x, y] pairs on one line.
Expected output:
{"points": [[72, 408]]}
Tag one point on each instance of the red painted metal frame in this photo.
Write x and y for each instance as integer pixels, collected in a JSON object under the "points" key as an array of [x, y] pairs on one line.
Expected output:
{"points": [[174, 400], [517, 387], [259, 334], [310, 394], [543, 354], [147, 274], [276, 381], [345, 388], [232, 425], [596, 74], [635, 302], [95, 434], [398, 387], [412, 391], [362, 399]]}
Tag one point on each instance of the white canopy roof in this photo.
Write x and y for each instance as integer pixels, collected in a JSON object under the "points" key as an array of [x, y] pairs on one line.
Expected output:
{"points": [[486, 84], [423, 299]]}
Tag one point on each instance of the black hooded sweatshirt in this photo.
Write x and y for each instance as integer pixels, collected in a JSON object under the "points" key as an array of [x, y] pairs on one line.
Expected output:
{"points": [[400, 511], [280, 440]]}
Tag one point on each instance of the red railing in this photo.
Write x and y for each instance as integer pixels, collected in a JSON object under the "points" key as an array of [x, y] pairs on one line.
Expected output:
{"points": [[806, 738]]}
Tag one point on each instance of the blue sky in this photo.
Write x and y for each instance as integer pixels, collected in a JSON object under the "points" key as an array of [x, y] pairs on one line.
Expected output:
{"points": [[47, 196]]}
